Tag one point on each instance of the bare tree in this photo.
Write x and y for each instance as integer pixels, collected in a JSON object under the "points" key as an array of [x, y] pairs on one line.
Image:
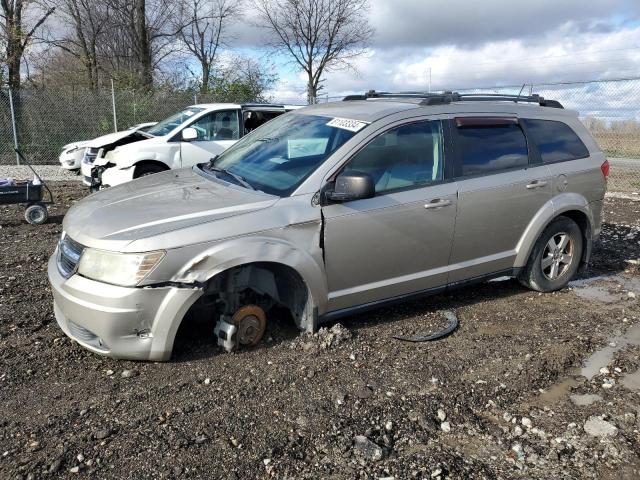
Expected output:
{"points": [[88, 23], [144, 35], [203, 31], [319, 35], [17, 33]]}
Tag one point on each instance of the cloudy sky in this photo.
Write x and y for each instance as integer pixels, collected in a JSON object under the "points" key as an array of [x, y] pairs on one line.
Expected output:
{"points": [[465, 44]]}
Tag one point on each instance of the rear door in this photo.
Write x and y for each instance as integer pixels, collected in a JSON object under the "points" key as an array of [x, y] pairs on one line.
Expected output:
{"points": [[501, 187], [217, 131], [399, 241]]}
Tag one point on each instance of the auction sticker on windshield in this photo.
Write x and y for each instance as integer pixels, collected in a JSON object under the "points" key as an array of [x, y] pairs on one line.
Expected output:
{"points": [[347, 124]]}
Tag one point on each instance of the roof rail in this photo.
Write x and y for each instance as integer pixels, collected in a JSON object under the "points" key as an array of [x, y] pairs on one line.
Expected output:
{"points": [[448, 97]]}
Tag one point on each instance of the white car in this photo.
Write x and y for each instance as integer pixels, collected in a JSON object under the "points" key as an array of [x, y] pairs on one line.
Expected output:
{"points": [[189, 137], [71, 155], [92, 147]]}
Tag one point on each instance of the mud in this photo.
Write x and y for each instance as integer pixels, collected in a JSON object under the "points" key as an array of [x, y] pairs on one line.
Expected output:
{"points": [[504, 396]]}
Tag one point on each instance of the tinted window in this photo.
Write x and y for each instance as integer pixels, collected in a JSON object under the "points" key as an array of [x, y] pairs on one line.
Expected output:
{"points": [[403, 157], [491, 148], [556, 141]]}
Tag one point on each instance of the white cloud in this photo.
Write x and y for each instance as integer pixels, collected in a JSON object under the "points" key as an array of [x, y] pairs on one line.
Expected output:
{"points": [[469, 44]]}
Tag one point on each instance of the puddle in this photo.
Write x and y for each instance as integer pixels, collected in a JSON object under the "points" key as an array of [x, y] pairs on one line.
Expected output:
{"points": [[591, 367], [610, 289], [585, 400], [601, 358], [631, 381], [559, 391]]}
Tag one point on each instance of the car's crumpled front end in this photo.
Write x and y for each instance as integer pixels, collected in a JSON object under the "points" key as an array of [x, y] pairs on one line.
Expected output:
{"points": [[113, 320], [112, 274]]}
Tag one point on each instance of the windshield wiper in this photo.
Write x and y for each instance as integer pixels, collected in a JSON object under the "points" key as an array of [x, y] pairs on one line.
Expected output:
{"points": [[235, 176]]}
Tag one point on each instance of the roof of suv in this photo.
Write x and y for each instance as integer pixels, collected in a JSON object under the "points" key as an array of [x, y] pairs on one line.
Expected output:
{"points": [[375, 108]]}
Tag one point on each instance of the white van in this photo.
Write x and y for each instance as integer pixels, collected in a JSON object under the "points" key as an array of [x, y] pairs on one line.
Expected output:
{"points": [[189, 137]]}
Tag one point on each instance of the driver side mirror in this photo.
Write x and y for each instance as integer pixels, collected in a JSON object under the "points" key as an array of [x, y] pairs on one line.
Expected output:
{"points": [[189, 134], [352, 186]]}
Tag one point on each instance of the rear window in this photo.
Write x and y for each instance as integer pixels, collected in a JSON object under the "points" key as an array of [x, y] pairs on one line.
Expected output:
{"points": [[556, 141], [489, 148]]}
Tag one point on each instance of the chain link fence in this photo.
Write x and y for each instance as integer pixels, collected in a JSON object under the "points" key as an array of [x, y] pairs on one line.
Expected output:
{"points": [[45, 120]]}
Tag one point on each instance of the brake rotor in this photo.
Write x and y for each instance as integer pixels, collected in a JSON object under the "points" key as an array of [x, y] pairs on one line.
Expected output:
{"points": [[251, 323]]}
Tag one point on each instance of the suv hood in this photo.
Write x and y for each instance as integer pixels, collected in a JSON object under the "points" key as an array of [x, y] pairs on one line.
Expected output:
{"points": [[113, 218]]}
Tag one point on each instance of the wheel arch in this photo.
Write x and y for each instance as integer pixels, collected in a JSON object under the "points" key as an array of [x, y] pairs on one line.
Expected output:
{"points": [[142, 163], [273, 254], [572, 206]]}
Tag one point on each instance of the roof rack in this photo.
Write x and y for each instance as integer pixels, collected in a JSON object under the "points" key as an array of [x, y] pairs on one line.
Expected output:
{"points": [[449, 97]]}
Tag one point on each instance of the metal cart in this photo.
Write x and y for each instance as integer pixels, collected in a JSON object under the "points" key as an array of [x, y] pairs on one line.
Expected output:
{"points": [[30, 194]]}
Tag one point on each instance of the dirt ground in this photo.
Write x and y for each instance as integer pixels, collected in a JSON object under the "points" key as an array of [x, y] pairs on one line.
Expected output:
{"points": [[530, 386]]}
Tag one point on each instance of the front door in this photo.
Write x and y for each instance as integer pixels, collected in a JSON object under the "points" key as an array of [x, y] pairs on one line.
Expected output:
{"points": [[399, 241], [217, 131]]}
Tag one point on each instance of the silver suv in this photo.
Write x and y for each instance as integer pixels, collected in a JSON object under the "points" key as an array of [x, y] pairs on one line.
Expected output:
{"points": [[330, 210]]}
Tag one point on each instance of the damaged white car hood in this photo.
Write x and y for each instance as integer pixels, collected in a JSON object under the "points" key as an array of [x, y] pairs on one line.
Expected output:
{"points": [[110, 138], [113, 218]]}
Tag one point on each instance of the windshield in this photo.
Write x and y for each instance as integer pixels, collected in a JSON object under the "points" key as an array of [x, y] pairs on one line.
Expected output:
{"points": [[168, 124], [278, 156]]}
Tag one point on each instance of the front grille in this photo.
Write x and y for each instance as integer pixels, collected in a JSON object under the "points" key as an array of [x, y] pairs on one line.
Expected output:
{"points": [[69, 253], [82, 333], [90, 155]]}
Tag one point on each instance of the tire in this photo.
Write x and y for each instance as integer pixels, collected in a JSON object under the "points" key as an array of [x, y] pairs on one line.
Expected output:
{"points": [[36, 214], [148, 169], [555, 257]]}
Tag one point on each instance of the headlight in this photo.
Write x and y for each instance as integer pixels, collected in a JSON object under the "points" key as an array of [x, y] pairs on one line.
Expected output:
{"points": [[125, 269]]}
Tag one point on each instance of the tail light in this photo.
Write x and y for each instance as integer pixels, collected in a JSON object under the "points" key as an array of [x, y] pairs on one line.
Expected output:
{"points": [[605, 168]]}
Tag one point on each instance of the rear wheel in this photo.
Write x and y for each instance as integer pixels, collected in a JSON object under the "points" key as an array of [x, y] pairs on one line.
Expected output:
{"points": [[36, 214], [555, 258], [148, 169]]}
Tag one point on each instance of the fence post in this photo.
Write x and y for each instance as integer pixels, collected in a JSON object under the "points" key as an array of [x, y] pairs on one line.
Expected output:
{"points": [[13, 125], [113, 102], [195, 98]]}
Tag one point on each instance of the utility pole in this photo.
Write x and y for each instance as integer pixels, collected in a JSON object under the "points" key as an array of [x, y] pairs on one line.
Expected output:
{"points": [[113, 102], [13, 125]]}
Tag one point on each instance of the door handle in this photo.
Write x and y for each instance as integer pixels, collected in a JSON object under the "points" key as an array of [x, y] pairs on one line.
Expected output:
{"points": [[437, 203], [537, 184]]}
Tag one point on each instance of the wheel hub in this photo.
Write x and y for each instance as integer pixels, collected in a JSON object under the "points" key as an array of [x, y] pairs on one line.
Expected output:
{"points": [[557, 256], [251, 323]]}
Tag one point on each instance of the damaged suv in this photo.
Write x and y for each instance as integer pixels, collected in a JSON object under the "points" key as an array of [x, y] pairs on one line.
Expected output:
{"points": [[184, 139], [330, 210]]}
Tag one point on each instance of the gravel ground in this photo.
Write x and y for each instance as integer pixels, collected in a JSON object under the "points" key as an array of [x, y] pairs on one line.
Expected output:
{"points": [[530, 386], [46, 172]]}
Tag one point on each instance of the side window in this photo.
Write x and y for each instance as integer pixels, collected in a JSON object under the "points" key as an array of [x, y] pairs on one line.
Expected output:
{"points": [[217, 126], [406, 156], [252, 119], [556, 141], [487, 147]]}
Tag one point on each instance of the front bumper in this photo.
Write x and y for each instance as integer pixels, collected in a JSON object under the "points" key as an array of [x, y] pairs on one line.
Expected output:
{"points": [[120, 322], [70, 162], [110, 177]]}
